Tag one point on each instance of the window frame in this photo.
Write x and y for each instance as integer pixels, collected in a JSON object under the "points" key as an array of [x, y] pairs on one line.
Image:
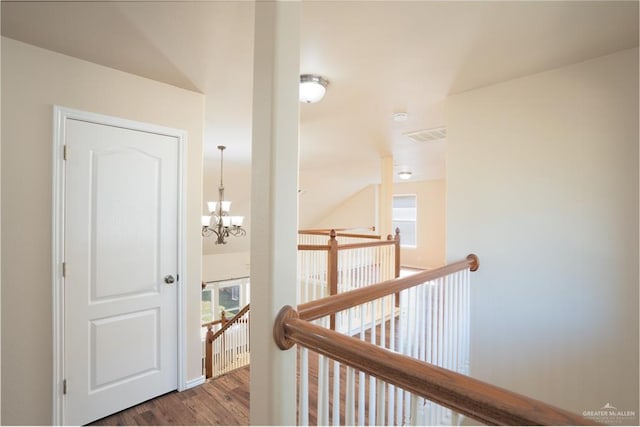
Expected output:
{"points": [[414, 245], [212, 291]]}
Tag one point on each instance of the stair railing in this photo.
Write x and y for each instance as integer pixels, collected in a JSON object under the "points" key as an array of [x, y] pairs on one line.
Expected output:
{"points": [[409, 368], [227, 348]]}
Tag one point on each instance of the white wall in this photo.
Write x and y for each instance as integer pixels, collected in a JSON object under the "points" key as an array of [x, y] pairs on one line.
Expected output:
{"points": [[542, 183], [359, 210], [431, 232], [33, 80]]}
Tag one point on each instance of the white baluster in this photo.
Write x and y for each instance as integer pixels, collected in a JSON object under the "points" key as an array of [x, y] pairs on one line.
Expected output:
{"points": [[392, 347], [350, 398], [323, 391], [372, 380], [336, 393], [440, 317], [361, 375], [381, 385]]}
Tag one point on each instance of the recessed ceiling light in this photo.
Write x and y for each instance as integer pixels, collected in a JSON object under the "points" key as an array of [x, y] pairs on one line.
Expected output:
{"points": [[400, 117]]}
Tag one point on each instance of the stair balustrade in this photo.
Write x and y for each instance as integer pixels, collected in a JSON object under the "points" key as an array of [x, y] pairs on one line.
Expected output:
{"points": [[228, 347], [408, 366]]}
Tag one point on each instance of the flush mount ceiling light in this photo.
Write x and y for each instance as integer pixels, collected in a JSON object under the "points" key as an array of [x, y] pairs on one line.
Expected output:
{"points": [[400, 117], [404, 175], [312, 88]]}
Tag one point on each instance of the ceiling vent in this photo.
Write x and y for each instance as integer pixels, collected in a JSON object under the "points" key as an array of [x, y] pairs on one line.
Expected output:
{"points": [[427, 135]]}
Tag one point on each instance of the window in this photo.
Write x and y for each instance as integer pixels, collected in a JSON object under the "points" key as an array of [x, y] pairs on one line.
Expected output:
{"points": [[405, 215], [224, 295]]}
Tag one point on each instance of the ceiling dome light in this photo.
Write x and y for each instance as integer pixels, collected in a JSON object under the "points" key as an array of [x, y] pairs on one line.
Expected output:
{"points": [[312, 88], [400, 117], [404, 175]]}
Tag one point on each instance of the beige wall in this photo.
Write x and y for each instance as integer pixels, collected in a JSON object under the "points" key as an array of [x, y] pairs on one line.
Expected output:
{"points": [[430, 249], [225, 266], [33, 80], [542, 183], [360, 210], [357, 211]]}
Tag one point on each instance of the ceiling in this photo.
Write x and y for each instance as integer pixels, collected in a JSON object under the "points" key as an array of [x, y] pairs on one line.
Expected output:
{"points": [[380, 57]]}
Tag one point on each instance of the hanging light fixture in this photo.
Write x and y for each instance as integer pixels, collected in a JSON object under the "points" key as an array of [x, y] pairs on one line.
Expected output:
{"points": [[312, 88], [224, 225]]}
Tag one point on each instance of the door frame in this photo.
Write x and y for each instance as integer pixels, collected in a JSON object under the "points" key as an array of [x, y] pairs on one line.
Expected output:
{"points": [[60, 116]]}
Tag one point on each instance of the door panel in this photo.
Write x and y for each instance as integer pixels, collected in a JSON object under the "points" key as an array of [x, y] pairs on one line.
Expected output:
{"points": [[121, 216], [128, 211], [142, 355]]}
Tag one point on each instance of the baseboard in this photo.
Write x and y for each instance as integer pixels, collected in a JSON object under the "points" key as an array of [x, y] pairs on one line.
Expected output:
{"points": [[194, 382]]}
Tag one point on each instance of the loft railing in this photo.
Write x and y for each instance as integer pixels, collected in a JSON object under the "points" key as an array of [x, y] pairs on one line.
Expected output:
{"points": [[319, 236], [344, 262], [424, 316], [407, 370], [227, 348]]}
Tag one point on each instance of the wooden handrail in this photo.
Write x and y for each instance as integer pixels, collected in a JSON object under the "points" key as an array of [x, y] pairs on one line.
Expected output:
{"points": [[228, 324], [335, 303], [479, 400], [214, 322], [340, 232], [314, 247], [306, 247], [366, 244]]}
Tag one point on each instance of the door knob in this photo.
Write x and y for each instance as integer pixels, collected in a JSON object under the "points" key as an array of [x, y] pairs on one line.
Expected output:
{"points": [[169, 279]]}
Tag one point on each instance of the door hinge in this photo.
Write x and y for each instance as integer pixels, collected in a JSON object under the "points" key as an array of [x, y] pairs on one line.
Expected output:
{"points": [[64, 152], [64, 269], [64, 386]]}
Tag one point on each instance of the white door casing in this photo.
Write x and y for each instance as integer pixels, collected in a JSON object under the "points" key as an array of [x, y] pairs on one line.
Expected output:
{"points": [[118, 229]]}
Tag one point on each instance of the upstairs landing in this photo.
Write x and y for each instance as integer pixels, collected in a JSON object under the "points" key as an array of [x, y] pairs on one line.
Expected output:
{"points": [[223, 401]]}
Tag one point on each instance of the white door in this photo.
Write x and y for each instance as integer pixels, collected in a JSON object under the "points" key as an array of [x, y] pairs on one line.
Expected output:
{"points": [[120, 284]]}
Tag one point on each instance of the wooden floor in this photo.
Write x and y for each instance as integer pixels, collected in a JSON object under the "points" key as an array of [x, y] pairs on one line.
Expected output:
{"points": [[220, 402]]}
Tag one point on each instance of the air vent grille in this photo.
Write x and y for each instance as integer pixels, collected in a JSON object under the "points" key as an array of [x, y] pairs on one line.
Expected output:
{"points": [[427, 135]]}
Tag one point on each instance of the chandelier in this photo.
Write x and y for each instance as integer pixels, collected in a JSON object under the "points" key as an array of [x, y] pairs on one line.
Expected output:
{"points": [[219, 222]]}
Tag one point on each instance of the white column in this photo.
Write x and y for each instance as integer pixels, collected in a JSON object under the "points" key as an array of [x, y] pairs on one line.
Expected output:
{"points": [[274, 219], [385, 225], [0, 261]]}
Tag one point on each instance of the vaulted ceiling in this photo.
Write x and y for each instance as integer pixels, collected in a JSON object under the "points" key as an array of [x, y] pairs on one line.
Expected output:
{"points": [[380, 57]]}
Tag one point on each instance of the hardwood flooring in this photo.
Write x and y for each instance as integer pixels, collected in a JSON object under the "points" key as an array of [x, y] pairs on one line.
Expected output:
{"points": [[220, 402], [225, 400]]}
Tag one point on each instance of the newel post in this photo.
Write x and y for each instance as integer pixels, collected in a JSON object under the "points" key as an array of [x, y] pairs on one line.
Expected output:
{"points": [[208, 360], [332, 271], [223, 318], [396, 241]]}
